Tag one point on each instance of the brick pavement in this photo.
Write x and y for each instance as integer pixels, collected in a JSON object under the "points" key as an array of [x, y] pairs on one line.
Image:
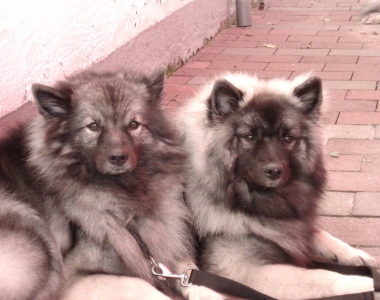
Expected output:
{"points": [[324, 36]]}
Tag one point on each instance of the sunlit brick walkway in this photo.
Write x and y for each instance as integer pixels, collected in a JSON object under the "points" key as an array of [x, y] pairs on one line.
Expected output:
{"points": [[291, 37]]}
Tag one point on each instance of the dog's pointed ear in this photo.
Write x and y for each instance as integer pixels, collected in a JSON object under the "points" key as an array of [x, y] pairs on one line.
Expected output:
{"points": [[51, 102], [156, 86], [224, 99], [310, 95]]}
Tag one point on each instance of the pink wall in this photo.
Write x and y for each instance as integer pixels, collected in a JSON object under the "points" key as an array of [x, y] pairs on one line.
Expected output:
{"points": [[43, 41], [178, 36]]}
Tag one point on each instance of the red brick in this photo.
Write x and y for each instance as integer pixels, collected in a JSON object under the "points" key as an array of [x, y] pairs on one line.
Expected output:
{"points": [[180, 89], [365, 95], [334, 33], [344, 46], [227, 37], [236, 44], [371, 46], [330, 75], [369, 60], [344, 163], [288, 45], [367, 204], [350, 84], [249, 51], [343, 13], [362, 29], [228, 65], [176, 100], [334, 95], [306, 39], [246, 30], [363, 37], [352, 105], [309, 12], [330, 59], [371, 163], [271, 74], [350, 67], [199, 80], [269, 20], [330, 117], [359, 118], [354, 146], [216, 57], [311, 26], [365, 75], [295, 67], [293, 32], [353, 181], [196, 72], [355, 52], [211, 49], [274, 58], [350, 131], [315, 4], [337, 203], [178, 79], [340, 23], [303, 52], [355, 231], [263, 38], [197, 64], [313, 45]]}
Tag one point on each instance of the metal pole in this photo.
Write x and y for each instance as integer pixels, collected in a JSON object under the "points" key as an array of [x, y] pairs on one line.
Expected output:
{"points": [[243, 13]]}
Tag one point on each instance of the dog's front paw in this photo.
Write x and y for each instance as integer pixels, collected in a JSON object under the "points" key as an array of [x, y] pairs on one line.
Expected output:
{"points": [[352, 285], [351, 256], [337, 251], [357, 257], [197, 292]]}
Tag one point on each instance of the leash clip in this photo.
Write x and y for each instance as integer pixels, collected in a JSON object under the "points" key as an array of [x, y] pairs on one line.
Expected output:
{"points": [[163, 272]]}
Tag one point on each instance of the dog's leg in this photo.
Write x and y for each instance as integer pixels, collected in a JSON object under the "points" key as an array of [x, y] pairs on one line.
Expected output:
{"points": [[196, 292], [246, 263], [109, 287], [290, 282], [335, 250]]}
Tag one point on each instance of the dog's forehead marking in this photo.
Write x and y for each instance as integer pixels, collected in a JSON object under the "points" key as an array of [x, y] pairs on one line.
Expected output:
{"points": [[114, 101], [268, 113]]}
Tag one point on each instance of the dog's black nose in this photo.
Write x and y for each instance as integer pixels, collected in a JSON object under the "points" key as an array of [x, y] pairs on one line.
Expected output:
{"points": [[273, 171], [118, 159]]}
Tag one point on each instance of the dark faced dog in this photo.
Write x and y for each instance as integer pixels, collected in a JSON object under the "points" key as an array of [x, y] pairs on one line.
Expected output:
{"points": [[255, 176]]}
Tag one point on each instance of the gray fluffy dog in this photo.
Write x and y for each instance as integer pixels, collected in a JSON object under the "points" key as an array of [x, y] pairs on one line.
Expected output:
{"points": [[100, 155], [255, 177]]}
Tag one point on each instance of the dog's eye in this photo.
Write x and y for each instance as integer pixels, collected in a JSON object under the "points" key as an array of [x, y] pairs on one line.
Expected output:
{"points": [[288, 139], [249, 137], [93, 126], [134, 125]]}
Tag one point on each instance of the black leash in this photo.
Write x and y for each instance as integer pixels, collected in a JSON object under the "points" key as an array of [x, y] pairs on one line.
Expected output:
{"points": [[191, 275], [233, 288]]}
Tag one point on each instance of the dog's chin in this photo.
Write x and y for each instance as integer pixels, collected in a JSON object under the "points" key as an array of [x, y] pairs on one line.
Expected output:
{"points": [[273, 183], [266, 184], [119, 171], [112, 170]]}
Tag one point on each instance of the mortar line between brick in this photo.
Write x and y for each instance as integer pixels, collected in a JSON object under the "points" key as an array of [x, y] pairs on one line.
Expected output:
{"points": [[373, 131], [353, 202]]}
